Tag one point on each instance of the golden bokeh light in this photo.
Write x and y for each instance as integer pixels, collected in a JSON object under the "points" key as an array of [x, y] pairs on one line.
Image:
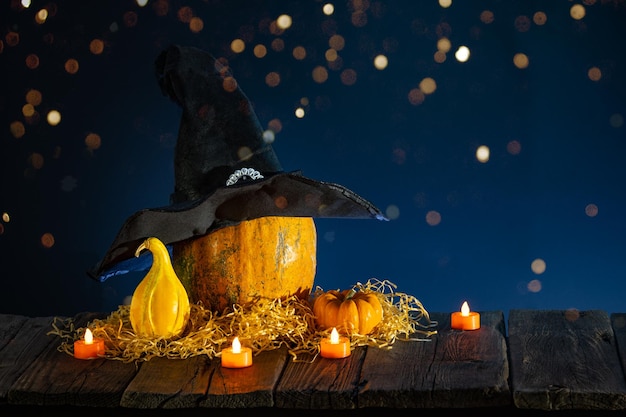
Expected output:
{"points": [[71, 66], [141, 3], [538, 266], [96, 46], [53, 117], [380, 62], [299, 53], [281, 202], [36, 160], [32, 61], [278, 44], [337, 42], [487, 16], [299, 112], [328, 9], [330, 55], [522, 23], [47, 240], [260, 51], [445, 3], [462, 54], [275, 125], [577, 11], [482, 154], [272, 79], [348, 76], [41, 16], [185, 14], [416, 96], [33, 97], [196, 24], [444, 45], [439, 57], [12, 38], [540, 18], [17, 129], [237, 46], [591, 210], [5, 217], [428, 85], [244, 153], [320, 74], [514, 147], [28, 110], [520, 60], [93, 141], [594, 74], [433, 218], [229, 84], [534, 286], [284, 21]]}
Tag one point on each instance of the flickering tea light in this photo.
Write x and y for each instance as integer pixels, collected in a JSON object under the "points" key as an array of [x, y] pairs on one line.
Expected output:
{"points": [[465, 319], [88, 347], [335, 347], [236, 356]]}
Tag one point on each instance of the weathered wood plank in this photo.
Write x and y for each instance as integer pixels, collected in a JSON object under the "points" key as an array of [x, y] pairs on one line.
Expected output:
{"points": [[246, 387], [21, 341], [321, 384], [618, 322], [169, 383], [565, 360], [454, 369], [56, 378]]}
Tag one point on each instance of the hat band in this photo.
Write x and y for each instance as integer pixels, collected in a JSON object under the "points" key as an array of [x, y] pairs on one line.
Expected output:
{"points": [[245, 173]]}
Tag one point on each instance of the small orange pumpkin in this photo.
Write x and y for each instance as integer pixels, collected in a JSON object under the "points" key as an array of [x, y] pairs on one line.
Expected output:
{"points": [[348, 310]]}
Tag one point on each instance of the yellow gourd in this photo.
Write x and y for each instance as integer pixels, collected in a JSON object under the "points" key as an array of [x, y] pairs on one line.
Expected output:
{"points": [[348, 310], [160, 305]]}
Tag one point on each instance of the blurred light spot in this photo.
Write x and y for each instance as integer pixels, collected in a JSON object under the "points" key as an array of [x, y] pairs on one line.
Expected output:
{"points": [[487, 16], [130, 19], [534, 286], [93, 141], [96, 46], [320, 74], [161, 7], [329, 236], [32, 61], [572, 314], [299, 112], [260, 51], [482, 153], [47, 240], [141, 3], [330, 55], [514, 147], [337, 42], [278, 44], [275, 125], [304, 101], [540, 18], [433, 218], [359, 18], [12, 38], [444, 45], [196, 24], [336, 64], [281, 202], [113, 27], [348, 77], [520, 60], [445, 3], [5, 217], [380, 62], [36, 160], [17, 129], [594, 74], [440, 57], [328, 9], [1, 229], [284, 21], [41, 16], [522, 23], [269, 136], [299, 53], [68, 183], [616, 120], [538, 266], [272, 79], [392, 212], [428, 85], [25, 3], [53, 117], [577, 11], [33, 97], [237, 46], [416, 96], [184, 14], [591, 210], [229, 84], [462, 54], [71, 66], [244, 153], [28, 110]]}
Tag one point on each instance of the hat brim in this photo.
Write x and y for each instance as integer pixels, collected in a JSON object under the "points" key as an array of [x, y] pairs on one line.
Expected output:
{"points": [[280, 194]]}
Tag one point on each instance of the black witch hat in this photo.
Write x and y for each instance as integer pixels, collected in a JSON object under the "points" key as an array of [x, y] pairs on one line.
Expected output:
{"points": [[225, 171]]}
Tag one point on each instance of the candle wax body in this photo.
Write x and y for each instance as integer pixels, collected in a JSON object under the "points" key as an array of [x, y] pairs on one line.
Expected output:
{"points": [[460, 322], [231, 359], [84, 350], [335, 350]]}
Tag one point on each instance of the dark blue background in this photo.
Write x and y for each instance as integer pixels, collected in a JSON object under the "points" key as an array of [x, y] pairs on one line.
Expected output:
{"points": [[496, 217]]}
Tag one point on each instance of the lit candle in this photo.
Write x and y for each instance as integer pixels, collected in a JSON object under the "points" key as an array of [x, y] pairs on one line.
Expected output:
{"points": [[335, 347], [88, 348], [236, 356], [465, 319]]}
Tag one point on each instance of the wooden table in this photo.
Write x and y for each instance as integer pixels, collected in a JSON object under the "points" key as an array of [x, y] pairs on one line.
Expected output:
{"points": [[547, 360]]}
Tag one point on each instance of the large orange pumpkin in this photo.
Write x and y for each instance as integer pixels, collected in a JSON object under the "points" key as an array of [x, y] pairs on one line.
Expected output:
{"points": [[350, 311], [270, 256]]}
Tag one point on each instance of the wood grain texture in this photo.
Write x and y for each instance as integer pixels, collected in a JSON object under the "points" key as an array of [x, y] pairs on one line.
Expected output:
{"points": [[565, 360]]}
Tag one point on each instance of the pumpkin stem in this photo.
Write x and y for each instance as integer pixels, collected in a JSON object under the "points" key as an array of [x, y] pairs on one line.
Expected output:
{"points": [[350, 294]]}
